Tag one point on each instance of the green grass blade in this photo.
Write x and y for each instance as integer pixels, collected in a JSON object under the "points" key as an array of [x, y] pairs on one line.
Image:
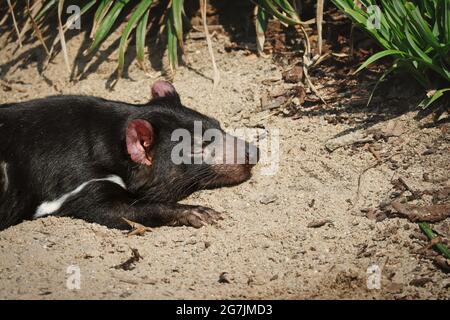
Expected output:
{"points": [[261, 26], [416, 32], [422, 26], [142, 8], [171, 43], [442, 248], [399, 8], [446, 11], [415, 47], [443, 21], [100, 9], [270, 7], [287, 8], [177, 10], [378, 56], [429, 101], [361, 18], [107, 24], [40, 14], [100, 14], [381, 79], [141, 32]]}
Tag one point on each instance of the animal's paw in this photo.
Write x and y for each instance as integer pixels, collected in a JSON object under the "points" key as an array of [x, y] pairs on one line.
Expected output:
{"points": [[196, 216]]}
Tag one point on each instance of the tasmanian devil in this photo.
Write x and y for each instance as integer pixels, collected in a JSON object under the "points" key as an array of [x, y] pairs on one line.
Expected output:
{"points": [[102, 160]]}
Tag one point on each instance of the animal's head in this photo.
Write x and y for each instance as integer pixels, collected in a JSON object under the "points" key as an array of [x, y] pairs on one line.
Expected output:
{"points": [[178, 151]]}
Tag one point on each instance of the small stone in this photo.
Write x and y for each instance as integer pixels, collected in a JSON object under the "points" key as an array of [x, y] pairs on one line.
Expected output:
{"points": [[320, 223], [268, 199], [293, 75], [420, 282], [223, 278]]}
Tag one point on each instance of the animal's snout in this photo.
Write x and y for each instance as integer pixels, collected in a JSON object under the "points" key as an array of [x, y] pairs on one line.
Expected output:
{"points": [[240, 152], [234, 161]]}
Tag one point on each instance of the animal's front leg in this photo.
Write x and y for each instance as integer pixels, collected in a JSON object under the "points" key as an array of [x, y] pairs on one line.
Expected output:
{"points": [[171, 214], [179, 215], [107, 203]]}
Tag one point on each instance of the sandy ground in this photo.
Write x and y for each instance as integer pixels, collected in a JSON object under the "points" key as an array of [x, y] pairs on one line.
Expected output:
{"points": [[266, 245]]}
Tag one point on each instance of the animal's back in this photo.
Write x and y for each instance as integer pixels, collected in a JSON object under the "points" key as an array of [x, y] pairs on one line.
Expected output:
{"points": [[49, 137]]}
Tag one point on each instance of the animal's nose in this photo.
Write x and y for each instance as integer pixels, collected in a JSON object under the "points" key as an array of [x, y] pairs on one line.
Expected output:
{"points": [[239, 151]]}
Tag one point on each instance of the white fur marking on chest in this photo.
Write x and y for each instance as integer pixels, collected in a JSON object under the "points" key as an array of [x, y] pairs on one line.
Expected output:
{"points": [[49, 207]]}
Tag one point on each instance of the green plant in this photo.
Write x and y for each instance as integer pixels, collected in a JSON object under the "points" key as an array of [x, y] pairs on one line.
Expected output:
{"points": [[108, 13], [442, 248], [415, 33]]}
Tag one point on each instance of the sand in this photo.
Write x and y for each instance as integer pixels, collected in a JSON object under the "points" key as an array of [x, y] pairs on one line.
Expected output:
{"points": [[265, 247]]}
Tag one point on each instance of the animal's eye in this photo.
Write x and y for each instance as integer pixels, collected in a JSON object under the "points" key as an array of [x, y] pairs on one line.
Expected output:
{"points": [[199, 150]]}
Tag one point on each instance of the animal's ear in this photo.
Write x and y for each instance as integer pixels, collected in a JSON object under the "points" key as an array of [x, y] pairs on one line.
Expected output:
{"points": [[164, 89], [140, 138]]}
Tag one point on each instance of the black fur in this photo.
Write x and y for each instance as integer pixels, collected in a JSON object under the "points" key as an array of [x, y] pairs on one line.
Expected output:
{"points": [[53, 145]]}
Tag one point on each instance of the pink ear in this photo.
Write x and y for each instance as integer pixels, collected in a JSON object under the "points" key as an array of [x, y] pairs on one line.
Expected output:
{"points": [[140, 138], [162, 89]]}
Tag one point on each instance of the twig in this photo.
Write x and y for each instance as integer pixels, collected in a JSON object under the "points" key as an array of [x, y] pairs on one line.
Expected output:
{"points": [[137, 228], [306, 63], [374, 153], [380, 161], [5, 17], [415, 194], [19, 38], [319, 17], [35, 7], [57, 39], [62, 37], [37, 31], [351, 138], [306, 40], [359, 180], [203, 4]]}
